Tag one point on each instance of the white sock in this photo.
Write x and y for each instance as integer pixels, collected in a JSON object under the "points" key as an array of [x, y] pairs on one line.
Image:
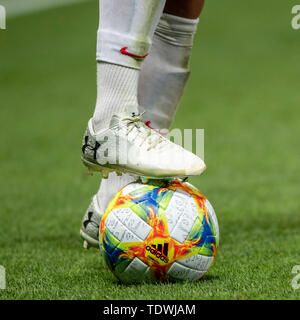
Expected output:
{"points": [[125, 34], [116, 90], [162, 81], [166, 71]]}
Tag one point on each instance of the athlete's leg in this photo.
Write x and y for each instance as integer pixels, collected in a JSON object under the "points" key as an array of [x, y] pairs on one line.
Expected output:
{"points": [[162, 80], [165, 73], [125, 33], [124, 37]]}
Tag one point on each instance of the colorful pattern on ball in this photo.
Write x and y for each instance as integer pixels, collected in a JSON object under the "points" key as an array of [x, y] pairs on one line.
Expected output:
{"points": [[159, 233]]}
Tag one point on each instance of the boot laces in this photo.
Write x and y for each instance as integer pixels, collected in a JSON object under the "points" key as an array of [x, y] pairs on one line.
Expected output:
{"points": [[135, 123]]}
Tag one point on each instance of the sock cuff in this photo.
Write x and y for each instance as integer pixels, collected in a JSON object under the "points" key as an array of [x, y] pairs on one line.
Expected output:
{"points": [[110, 45], [176, 30], [180, 22], [126, 29]]}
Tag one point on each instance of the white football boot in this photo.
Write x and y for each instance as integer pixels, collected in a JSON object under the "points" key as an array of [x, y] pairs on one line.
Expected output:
{"points": [[89, 230], [129, 146]]}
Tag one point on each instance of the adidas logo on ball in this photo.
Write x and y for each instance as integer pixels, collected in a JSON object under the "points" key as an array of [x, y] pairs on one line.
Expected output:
{"points": [[160, 252]]}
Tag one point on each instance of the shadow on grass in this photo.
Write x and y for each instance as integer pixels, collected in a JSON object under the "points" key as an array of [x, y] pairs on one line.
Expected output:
{"points": [[206, 278]]}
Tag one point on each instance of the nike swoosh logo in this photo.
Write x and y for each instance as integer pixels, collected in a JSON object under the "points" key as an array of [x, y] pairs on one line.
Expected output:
{"points": [[148, 124], [126, 53]]}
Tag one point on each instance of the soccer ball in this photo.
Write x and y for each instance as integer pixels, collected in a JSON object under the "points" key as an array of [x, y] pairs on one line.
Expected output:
{"points": [[153, 233]]}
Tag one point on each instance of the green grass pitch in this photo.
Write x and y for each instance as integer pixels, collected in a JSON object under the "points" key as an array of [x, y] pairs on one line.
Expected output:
{"points": [[244, 90]]}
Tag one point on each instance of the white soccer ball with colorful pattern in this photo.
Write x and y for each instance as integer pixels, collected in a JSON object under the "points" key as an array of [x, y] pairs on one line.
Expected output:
{"points": [[159, 233]]}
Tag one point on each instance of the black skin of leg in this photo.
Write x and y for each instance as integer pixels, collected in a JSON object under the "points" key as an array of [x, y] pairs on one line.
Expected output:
{"points": [[190, 9]]}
